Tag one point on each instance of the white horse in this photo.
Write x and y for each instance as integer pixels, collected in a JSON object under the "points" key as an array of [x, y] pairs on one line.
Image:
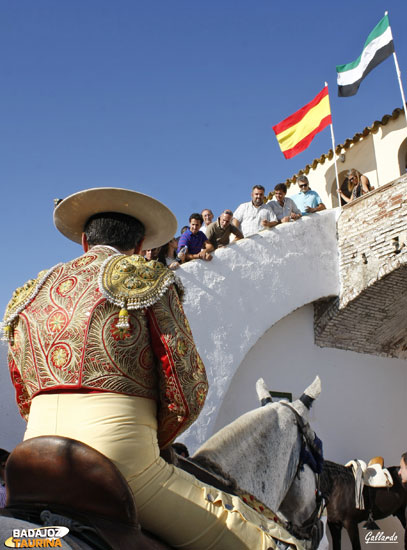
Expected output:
{"points": [[261, 451]]}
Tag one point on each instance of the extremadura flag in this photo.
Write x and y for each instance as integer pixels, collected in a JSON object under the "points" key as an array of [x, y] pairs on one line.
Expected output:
{"points": [[378, 46]]}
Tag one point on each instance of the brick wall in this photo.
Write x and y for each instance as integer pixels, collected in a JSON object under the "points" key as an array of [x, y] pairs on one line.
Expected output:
{"points": [[370, 314]]}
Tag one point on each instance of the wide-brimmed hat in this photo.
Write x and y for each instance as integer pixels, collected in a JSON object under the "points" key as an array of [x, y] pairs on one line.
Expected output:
{"points": [[72, 213]]}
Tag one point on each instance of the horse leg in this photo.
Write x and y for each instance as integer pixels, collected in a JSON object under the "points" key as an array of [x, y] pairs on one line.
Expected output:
{"points": [[400, 514], [336, 533], [353, 532]]}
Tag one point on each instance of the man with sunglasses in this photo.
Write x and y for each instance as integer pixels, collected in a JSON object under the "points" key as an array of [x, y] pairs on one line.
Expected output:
{"points": [[307, 200]]}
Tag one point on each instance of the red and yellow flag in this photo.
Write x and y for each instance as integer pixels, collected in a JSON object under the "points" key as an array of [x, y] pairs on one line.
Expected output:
{"points": [[295, 133]]}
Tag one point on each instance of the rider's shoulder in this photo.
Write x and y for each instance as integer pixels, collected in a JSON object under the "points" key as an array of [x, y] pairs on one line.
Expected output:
{"points": [[133, 281], [23, 295]]}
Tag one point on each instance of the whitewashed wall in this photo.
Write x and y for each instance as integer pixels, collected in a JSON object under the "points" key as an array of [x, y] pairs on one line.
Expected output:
{"points": [[247, 288], [387, 143], [360, 412]]}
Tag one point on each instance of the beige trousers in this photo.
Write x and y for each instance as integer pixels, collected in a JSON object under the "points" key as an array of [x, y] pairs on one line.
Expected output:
{"points": [[171, 503]]}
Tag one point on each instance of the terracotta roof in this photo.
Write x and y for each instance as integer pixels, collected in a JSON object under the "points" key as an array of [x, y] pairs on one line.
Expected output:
{"points": [[343, 146]]}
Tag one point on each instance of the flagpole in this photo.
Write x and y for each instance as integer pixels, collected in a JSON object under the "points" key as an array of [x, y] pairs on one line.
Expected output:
{"points": [[399, 79], [400, 84], [336, 167]]}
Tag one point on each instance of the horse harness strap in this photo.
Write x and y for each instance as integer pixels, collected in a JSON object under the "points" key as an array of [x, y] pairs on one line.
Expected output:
{"points": [[315, 456], [305, 530]]}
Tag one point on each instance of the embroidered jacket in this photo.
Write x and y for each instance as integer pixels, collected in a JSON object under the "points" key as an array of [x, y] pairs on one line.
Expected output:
{"points": [[66, 336]]}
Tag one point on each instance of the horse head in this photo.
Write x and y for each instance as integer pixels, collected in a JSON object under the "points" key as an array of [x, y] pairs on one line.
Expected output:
{"points": [[261, 450], [301, 503]]}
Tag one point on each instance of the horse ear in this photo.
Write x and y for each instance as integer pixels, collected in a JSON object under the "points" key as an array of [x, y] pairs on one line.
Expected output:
{"points": [[311, 393], [262, 392]]}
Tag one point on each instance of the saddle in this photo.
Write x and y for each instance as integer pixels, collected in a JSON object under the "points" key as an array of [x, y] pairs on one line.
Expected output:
{"points": [[371, 475], [75, 481]]}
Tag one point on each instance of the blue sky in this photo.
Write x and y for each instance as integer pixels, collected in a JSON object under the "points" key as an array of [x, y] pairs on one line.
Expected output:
{"points": [[173, 98]]}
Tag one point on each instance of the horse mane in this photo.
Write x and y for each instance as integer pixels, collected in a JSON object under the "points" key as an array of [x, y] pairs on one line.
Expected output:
{"points": [[394, 472], [333, 472], [214, 468]]}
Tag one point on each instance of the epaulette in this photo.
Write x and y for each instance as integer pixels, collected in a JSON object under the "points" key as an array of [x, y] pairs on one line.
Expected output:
{"points": [[131, 282], [21, 298]]}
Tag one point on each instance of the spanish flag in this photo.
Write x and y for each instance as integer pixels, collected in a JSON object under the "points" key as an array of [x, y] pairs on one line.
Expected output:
{"points": [[295, 133]]}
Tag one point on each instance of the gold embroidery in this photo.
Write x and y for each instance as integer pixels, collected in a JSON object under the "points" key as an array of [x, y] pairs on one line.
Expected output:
{"points": [[83, 261], [133, 283], [78, 344], [21, 298], [60, 356], [57, 321], [183, 383], [66, 286], [22, 295]]}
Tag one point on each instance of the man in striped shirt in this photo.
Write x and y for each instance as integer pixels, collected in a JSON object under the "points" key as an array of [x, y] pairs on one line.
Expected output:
{"points": [[284, 208]]}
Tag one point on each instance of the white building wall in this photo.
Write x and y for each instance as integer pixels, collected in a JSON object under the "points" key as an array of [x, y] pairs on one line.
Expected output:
{"points": [[247, 288], [387, 143], [360, 412]]}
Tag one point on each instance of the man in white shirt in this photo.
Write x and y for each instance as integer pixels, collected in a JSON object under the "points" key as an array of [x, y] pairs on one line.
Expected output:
{"points": [[207, 216], [283, 207], [251, 217]]}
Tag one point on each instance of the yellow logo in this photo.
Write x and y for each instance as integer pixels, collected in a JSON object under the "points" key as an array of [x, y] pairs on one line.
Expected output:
{"points": [[39, 537]]}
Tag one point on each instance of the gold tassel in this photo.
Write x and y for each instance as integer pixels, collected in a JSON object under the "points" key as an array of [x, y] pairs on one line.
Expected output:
{"points": [[123, 323], [9, 334]]}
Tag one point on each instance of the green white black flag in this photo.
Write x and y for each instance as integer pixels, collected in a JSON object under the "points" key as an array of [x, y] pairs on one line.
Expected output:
{"points": [[378, 46]]}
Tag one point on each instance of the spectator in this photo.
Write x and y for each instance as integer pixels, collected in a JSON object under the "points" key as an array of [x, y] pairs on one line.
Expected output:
{"points": [[306, 200], [184, 228], [253, 216], [207, 216], [218, 232], [194, 240], [152, 253], [345, 190], [358, 185], [284, 208], [3, 459], [168, 254], [403, 468]]}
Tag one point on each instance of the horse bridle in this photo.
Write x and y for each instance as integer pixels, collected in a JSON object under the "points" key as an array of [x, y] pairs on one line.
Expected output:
{"points": [[305, 530]]}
